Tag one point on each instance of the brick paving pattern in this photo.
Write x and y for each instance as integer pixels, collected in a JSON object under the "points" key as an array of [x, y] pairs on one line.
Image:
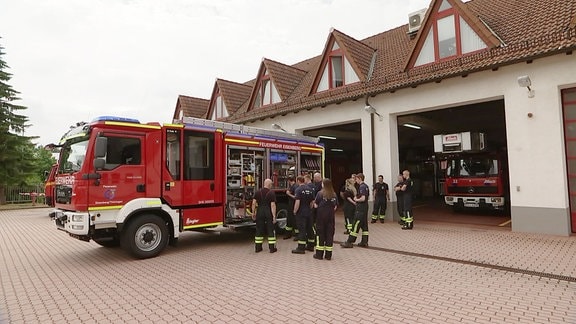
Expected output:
{"points": [[47, 277]]}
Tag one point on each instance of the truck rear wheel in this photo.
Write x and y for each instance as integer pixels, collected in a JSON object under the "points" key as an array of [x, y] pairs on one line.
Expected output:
{"points": [[145, 237]]}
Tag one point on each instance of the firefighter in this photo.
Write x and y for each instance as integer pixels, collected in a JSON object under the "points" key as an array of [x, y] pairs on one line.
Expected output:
{"points": [[407, 188], [360, 215], [348, 192], [381, 198], [317, 185], [264, 203], [290, 219], [325, 203], [317, 182], [304, 197], [400, 198]]}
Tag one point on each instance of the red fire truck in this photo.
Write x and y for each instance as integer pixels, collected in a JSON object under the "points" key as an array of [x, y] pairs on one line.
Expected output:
{"points": [[474, 176], [49, 185], [122, 182]]}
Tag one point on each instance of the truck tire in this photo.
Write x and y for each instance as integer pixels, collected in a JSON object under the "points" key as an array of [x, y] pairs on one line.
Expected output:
{"points": [[145, 236]]}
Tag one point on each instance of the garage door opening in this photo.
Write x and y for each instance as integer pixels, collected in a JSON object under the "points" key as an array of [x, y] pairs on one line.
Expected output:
{"points": [[343, 147], [429, 170]]}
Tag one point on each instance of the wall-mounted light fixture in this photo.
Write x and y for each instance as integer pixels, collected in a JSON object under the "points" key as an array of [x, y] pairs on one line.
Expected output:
{"points": [[412, 126], [524, 81], [278, 127], [327, 137], [371, 110]]}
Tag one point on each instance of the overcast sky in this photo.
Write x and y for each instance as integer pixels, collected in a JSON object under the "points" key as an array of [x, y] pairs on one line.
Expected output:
{"points": [[75, 60]]}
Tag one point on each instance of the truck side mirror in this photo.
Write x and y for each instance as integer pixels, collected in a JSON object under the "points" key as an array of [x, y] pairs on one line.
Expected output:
{"points": [[99, 163], [100, 147]]}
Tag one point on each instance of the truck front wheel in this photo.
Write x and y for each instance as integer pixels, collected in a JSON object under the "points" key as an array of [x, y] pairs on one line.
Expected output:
{"points": [[145, 237]]}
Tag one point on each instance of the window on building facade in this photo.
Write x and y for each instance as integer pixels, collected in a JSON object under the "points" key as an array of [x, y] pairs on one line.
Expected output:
{"points": [[337, 71], [449, 36], [219, 108], [267, 93]]}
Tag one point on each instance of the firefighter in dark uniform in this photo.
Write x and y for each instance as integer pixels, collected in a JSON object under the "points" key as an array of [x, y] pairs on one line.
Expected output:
{"points": [[304, 197], [348, 192], [317, 185], [381, 197], [360, 215], [318, 182], [400, 198], [264, 203], [290, 219], [325, 203], [407, 189]]}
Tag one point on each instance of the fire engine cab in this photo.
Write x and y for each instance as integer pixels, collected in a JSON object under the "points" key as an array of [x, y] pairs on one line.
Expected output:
{"points": [[474, 176], [122, 182]]}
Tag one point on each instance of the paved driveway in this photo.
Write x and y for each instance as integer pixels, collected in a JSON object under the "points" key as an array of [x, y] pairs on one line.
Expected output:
{"points": [[435, 273]]}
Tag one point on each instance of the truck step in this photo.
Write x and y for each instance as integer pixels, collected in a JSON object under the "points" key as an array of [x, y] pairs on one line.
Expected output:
{"points": [[246, 224]]}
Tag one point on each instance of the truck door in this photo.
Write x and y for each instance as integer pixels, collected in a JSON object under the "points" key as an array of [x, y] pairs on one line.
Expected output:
{"points": [[193, 176], [123, 177]]}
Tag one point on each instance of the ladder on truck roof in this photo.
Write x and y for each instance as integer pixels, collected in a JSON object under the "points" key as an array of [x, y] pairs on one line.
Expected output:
{"points": [[246, 130]]}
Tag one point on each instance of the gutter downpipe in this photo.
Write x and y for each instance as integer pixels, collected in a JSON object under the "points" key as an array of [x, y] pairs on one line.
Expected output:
{"points": [[372, 143]]}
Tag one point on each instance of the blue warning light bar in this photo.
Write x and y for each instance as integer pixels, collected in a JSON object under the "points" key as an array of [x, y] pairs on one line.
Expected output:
{"points": [[116, 119]]}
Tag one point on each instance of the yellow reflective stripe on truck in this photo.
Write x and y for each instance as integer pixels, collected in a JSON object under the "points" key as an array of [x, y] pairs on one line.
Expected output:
{"points": [[203, 225], [105, 208]]}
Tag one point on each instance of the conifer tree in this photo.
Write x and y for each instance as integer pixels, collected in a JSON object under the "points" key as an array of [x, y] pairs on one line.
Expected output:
{"points": [[15, 148]]}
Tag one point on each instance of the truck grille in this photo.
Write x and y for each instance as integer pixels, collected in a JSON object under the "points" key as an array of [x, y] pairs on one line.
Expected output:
{"points": [[472, 190], [63, 194]]}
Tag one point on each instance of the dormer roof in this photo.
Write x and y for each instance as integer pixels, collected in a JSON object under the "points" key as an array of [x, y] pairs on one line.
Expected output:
{"points": [[285, 78], [360, 55], [233, 94], [191, 107], [479, 27]]}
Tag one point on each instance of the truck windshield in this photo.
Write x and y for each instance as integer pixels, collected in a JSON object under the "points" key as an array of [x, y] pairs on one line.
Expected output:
{"points": [[472, 167], [72, 157]]}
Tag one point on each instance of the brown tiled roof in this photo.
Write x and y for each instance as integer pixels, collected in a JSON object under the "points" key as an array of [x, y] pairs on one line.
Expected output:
{"points": [[285, 78], [359, 54], [233, 94], [529, 29], [191, 107]]}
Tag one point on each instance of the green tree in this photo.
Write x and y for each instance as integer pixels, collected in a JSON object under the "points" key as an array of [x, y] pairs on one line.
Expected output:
{"points": [[16, 150], [43, 161]]}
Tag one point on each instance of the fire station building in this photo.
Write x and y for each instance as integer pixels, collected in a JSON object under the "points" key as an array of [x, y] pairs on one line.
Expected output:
{"points": [[502, 68]]}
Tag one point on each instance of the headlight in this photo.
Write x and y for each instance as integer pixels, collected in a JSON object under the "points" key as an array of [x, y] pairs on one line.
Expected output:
{"points": [[77, 218], [449, 198]]}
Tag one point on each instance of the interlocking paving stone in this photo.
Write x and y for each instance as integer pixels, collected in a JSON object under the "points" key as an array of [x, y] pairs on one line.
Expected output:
{"points": [[48, 277]]}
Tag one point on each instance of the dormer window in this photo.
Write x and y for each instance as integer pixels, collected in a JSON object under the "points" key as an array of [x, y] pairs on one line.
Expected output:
{"points": [[267, 93], [338, 71], [448, 36], [219, 108]]}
